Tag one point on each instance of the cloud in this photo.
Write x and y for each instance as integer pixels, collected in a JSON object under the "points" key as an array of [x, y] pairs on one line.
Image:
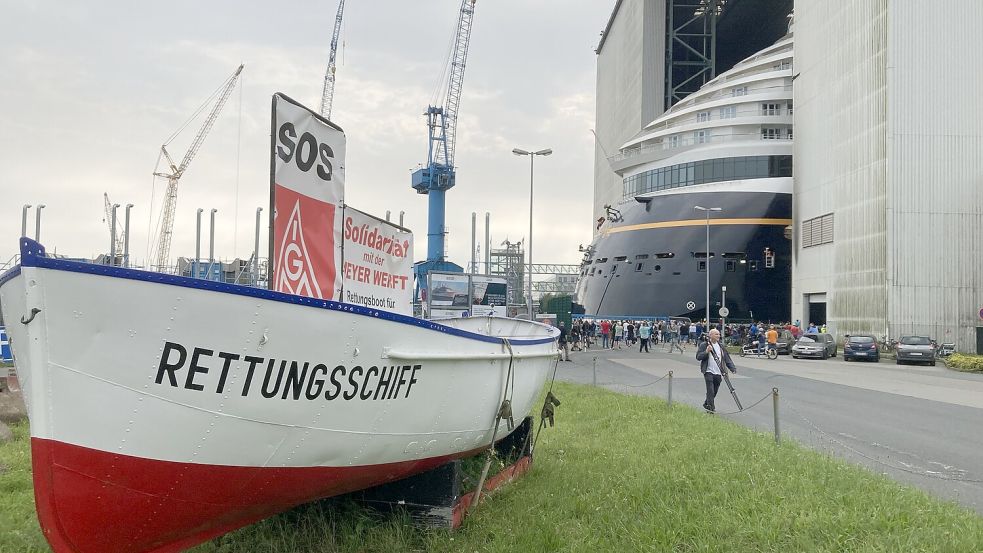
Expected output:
{"points": [[95, 96]]}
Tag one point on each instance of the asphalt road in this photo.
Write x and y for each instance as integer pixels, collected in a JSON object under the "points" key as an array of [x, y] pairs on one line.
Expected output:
{"points": [[916, 424]]}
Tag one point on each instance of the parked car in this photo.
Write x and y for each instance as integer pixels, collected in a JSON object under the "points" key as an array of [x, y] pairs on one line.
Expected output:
{"points": [[860, 346], [785, 341], [915, 349], [818, 345]]}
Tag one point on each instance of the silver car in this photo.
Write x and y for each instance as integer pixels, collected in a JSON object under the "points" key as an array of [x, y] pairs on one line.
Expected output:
{"points": [[915, 349], [819, 345]]}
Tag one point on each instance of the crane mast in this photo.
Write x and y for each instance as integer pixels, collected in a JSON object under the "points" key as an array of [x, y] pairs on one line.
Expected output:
{"points": [[438, 175], [327, 95], [166, 225]]}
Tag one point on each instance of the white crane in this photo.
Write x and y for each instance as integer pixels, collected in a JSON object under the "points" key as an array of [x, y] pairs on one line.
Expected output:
{"points": [[166, 224], [327, 95]]}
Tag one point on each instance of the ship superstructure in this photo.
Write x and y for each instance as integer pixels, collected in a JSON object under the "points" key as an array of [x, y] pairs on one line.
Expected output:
{"points": [[728, 145]]}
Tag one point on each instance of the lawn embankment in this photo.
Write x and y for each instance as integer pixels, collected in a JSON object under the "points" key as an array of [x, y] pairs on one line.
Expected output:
{"points": [[626, 473], [965, 362]]}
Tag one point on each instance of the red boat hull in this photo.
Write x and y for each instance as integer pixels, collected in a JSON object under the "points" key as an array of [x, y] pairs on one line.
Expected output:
{"points": [[91, 501]]}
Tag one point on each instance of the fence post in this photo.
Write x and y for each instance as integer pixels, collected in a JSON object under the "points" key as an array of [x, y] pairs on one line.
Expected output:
{"points": [[778, 431], [670, 388], [595, 372]]}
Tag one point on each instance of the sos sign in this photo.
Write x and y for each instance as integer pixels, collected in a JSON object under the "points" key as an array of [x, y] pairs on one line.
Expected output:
{"points": [[305, 152], [308, 152]]}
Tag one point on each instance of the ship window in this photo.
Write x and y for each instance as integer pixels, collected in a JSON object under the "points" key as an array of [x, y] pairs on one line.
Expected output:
{"points": [[771, 109], [658, 268], [703, 116], [790, 107], [768, 133], [642, 256], [739, 91], [674, 141], [665, 255], [703, 255], [676, 273], [731, 266], [752, 266], [734, 255], [785, 64], [701, 266], [728, 112], [621, 258], [710, 170], [638, 267], [602, 260], [701, 136], [790, 133]]}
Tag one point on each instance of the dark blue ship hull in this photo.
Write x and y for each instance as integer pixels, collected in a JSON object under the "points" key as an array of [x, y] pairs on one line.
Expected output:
{"points": [[652, 262]]}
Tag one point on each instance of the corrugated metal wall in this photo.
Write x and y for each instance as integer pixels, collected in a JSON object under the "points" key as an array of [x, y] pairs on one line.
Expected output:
{"points": [[630, 76], [935, 169], [840, 160], [889, 138]]}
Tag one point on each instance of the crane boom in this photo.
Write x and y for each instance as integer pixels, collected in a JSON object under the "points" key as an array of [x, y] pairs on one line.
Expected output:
{"points": [[459, 56], [327, 95], [166, 224]]}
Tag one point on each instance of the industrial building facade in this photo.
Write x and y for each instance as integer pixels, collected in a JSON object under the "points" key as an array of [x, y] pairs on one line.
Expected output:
{"points": [[888, 178], [888, 152]]}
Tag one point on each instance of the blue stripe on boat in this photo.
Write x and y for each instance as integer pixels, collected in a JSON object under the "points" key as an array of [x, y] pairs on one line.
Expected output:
{"points": [[33, 255]]}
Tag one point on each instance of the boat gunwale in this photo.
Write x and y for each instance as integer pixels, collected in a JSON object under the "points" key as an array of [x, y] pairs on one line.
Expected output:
{"points": [[33, 255]]}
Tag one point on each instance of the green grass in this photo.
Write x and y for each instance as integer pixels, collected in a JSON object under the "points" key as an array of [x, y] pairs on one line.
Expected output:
{"points": [[19, 530], [623, 473]]}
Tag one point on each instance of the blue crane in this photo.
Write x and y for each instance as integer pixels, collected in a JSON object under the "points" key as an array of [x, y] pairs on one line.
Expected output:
{"points": [[438, 176]]}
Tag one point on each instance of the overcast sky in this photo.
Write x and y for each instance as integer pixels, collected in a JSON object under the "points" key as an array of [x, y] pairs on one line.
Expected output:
{"points": [[91, 89]]}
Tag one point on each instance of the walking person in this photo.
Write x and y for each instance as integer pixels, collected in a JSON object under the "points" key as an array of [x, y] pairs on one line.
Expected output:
{"points": [[564, 344], [674, 338], [644, 333], [713, 358]]}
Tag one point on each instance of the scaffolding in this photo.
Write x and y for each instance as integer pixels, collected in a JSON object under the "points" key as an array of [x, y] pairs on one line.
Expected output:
{"points": [[691, 46]]}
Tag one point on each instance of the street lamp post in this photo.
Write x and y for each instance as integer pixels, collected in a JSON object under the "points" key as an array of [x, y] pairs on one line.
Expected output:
{"points": [[707, 210], [532, 156]]}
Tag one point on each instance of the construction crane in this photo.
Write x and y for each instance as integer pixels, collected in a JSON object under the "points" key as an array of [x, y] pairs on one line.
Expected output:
{"points": [[109, 221], [438, 175], [166, 223], [327, 96]]}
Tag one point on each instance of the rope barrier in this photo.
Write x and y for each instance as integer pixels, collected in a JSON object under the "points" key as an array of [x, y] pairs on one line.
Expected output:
{"points": [[768, 395], [876, 460]]}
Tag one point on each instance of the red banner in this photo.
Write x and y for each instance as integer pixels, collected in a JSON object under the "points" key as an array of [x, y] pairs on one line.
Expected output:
{"points": [[305, 250]]}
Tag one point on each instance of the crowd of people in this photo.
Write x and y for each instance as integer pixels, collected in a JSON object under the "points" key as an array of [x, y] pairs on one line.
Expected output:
{"points": [[671, 334]]}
